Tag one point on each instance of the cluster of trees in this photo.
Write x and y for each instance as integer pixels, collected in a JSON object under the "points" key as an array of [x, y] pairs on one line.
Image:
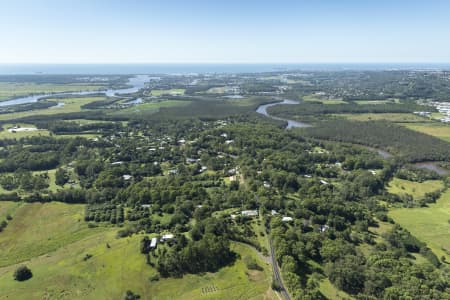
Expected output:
{"points": [[67, 127], [411, 145], [415, 174], [317, 108], [104, 213], [3, 224], [27, 106], [207, 250], [25, 181], [206, 255]]}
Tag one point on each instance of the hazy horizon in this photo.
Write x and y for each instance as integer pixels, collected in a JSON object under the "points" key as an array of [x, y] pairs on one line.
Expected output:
{"points": [[199, 32], [186, 68]]}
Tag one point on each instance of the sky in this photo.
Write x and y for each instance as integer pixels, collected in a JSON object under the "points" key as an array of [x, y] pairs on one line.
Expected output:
{"points": [[231, 31]]}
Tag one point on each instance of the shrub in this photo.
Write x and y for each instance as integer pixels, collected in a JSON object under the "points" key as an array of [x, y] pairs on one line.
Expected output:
{"points": [[251, 263], [22, 273]]}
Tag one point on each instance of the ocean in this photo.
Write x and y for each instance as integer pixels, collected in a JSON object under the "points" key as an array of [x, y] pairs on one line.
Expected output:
{"points": [[29, 69]]}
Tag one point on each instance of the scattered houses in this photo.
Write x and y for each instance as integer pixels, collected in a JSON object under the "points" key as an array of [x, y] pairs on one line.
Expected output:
{"points": [[249, 213], [21, 129], [287, 219]]}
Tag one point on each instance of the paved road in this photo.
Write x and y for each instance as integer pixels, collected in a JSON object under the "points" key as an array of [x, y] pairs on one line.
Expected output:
{"points": [[276, 272]]}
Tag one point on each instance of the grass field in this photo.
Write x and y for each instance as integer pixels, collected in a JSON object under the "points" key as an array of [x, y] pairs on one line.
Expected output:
{"points": [[362, 102], [113, 270], [167, 92], [393, 117], [217, 90], [323, 101], [331, 292], [430, 224], [41, 228], [53, 240], [12, 90], [439, 130], [70, 105], [415, 189], [5, 134], [152, 107], [8, 207]]}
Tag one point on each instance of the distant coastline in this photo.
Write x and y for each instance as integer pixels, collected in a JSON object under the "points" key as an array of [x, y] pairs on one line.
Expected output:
{"points": [[166, 68]]}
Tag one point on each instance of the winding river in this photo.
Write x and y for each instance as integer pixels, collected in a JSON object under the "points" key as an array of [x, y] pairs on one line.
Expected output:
{"points": [[136, 83], [262, 109]]}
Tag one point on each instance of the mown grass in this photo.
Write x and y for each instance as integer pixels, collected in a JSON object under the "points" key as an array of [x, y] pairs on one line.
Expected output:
{"points": [[151, 107], [217, 90], [331, 292], [8, 208], [323, 101], [439, 130], [37, 229], [10, 90], [167, 92], [362, 102], [415, 189], [5, 134], [70, 105], [393, 117], [430, 224]]}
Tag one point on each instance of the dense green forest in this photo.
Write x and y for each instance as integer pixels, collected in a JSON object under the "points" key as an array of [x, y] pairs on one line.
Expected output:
{"points": [[411, 145], [192, 181]]}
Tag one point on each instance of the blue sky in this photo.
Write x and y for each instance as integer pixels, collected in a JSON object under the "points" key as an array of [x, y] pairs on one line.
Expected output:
{"points": [[314, 31]]}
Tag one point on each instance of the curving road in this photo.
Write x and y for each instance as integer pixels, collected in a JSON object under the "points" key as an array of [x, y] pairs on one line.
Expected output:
{"points": [[276, 272]]}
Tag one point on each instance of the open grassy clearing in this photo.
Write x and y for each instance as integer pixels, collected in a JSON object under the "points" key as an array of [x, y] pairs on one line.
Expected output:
{"points": [[362, 102], [429, 224], [51, 179], [439, 130], [17, 134], [415, 189], [323, 101], [41, 228], [393, 117], [113, 270], [217, 90], [5, 134], [244, 101], [152, 107], [13, 90], [167, 92], [331, 292], [70, 105], [8, 207]]}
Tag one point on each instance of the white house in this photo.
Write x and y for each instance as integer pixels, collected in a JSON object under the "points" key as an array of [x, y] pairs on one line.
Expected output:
{"points": [[167, 236], [153, 242], [249, 213]]}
